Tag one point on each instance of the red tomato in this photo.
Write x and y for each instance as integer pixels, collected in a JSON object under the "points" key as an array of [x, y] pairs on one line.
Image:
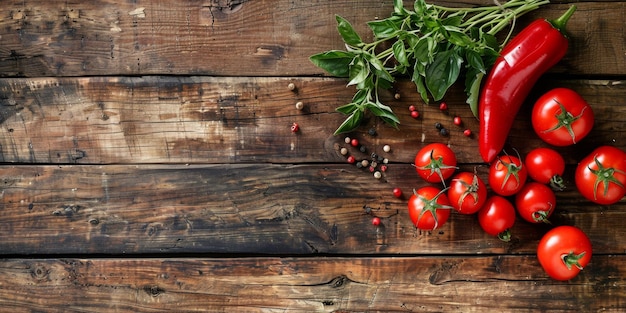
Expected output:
{"points": [[496, 217], [561, 117], [535, 202], [564, 251], [435, 162], [429, 208], [601, 176], [507, 175], [546, 166], [467, 193]]}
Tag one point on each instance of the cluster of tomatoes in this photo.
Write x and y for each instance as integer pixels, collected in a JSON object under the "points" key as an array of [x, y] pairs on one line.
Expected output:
{"points": [[525, 187]]}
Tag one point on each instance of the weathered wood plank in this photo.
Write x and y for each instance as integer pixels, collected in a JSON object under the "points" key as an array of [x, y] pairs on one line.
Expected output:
{"points": [[275, 209], [268, 38], [404, 284], [245, 119]]}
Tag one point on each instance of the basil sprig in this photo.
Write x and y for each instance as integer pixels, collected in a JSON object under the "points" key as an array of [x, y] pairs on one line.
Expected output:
{"points": [[431, 44]]}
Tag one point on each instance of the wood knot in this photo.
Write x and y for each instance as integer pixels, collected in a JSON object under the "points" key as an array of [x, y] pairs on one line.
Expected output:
{"points": [[153, 291], [40, 273], [338, 281]]}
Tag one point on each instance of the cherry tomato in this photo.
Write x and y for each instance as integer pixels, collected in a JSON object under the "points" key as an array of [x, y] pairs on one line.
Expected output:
{"points": [[535, 202], [435, 162], [429, 208], [563, 252], [561, 117], [601, 176], [546, 166], [507, 175], [496, 217], [467, 193]]}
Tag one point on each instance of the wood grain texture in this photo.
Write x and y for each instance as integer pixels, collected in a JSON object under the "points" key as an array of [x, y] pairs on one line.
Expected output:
{"points": [[238, 38], [246, 119], [273, 209], [147, 165], [389, 284]]}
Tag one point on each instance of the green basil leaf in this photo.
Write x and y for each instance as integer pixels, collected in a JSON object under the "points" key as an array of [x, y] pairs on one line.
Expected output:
{"points": [[419, 7], [442, 73], [350, 123], [424, 50], [472, 89], [347, 108], [386, 28], [459, 38], [418, 80], [475, 61], [398, 7], [360, 96], [348, 33], [452, 20], [358, 72], [399, 52], [384, 83], [491, 42], [335, 62], [383, 112]]}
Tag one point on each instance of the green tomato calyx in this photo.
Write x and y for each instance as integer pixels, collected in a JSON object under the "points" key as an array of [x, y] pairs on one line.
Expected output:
{"points": [[572, 259]]}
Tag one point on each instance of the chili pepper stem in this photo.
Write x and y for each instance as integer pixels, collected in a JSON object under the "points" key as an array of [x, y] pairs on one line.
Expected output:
{"points": [[560, 22]]}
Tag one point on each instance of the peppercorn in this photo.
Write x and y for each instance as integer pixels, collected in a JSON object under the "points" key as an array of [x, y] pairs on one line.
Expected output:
{"points": [[343, 151], [354, 142], [443, 106], [457, 121], [374, 156], [383, 168], [438, 125], [295, 127], [386, 148], [376, 221], [415, 114], [372, 131], [444, 132], [377, 175], [365, 163], [299, 105], [351, 159], [467, 133], [347, 140], [362, 149], [412, 108], [291, 86]]}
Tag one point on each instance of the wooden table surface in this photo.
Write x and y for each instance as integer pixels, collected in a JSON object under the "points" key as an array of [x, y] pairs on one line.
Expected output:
{"points": [[148, 165]]}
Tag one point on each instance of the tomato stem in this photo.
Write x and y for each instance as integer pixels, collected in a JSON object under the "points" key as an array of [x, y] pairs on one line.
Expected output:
{"points": [[542, 216], [505, 235], [604, 175], [557, 183], [431, 205], [571, 258]]}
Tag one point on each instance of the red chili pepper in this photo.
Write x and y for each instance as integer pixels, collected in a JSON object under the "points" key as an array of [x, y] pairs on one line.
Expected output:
{"points": [[522, 61]]}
